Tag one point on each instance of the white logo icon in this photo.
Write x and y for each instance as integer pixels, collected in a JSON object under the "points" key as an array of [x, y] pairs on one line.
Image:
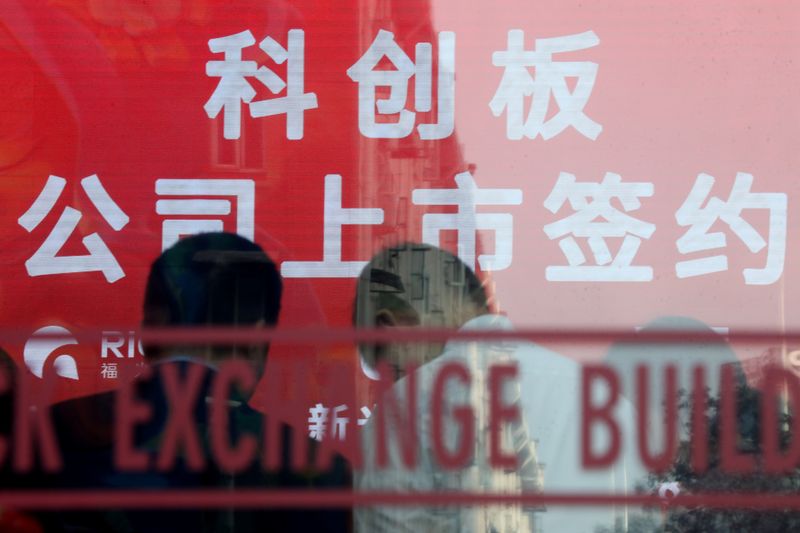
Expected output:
{"points": [[41, 346], [669, 490]]}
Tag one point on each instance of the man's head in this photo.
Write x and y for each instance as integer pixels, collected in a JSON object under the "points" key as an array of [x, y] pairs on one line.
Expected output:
{"points": [[414, 285], [212, 279]]}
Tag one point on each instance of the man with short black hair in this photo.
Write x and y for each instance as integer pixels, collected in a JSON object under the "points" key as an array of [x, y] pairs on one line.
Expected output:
{"points": [[206, 280], [215, 280]]}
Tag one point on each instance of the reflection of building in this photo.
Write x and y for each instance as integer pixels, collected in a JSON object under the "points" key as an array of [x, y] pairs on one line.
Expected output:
{"points": [[389, 169], [529, 474], [441, 292], [433, 292], [246, 155], [755, 367]]}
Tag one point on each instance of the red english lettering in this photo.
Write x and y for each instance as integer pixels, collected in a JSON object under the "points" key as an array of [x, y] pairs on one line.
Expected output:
{"points": [[390, 408], [699, 437], [499, 412], [599, 414], [32, 422], [777, 461], [287, 400], [731, 460], [464, 414], [661, 462], [236, 458], [128, 413], [180, 427]]}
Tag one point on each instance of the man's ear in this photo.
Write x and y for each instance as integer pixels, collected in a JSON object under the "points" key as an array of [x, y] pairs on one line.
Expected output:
{"points": [[385, 319]]}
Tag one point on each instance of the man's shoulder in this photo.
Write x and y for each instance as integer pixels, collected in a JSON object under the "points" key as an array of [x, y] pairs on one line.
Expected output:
{"points": [[528, 354], [86, 422], [545, 361]]}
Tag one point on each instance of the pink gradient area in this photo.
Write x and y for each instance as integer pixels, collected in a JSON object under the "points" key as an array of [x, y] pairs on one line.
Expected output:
{"points": [[682, 88]]}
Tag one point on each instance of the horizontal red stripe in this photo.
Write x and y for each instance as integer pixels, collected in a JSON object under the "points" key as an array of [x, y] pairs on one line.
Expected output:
{"points": [[325, 335], [257, 498]]}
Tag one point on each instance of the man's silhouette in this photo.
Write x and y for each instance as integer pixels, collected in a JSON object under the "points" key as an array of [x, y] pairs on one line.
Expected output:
{"points": [[207, 280]]}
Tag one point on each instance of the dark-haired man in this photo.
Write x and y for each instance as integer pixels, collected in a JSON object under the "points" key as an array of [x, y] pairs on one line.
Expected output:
{"points": [[206, 280]]}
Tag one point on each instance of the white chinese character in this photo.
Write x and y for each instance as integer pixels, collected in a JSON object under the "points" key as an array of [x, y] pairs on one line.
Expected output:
{"points": [[172, 229], [45, 260], [334, 216], [108, 370], [318, 422], [612, 223], [467, 222], [700, 219], [366, 412], [368, 78], [340, 422], [549, 78], [233, 88]]}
